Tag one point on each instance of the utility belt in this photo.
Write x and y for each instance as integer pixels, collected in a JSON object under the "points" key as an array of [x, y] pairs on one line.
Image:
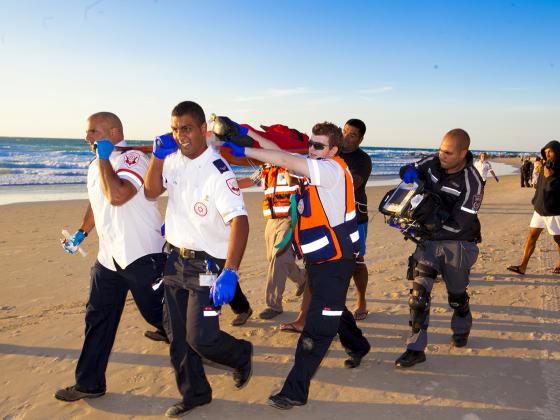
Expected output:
{"points": [[185, 253]]}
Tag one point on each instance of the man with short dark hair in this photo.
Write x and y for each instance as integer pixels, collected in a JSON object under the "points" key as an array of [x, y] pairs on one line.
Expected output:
{"points": [[447, 244], [206, 231], [359, 164]]}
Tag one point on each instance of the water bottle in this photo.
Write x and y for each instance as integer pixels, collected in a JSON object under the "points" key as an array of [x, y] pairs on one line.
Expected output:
{"points": [[68, 240]]}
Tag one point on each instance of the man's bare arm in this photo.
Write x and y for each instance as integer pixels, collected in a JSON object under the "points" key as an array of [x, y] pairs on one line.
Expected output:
{"points": [[118, 191], [237, 241], [153, 183]]}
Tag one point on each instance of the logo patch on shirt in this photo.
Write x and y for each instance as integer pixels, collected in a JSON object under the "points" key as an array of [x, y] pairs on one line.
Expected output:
{"points": [[232, 185], [477, 202], [131, 159], [221, 165], [200, 209]]}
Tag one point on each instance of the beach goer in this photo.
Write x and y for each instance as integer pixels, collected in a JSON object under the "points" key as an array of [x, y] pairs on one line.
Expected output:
{"points": [[359, 164], [537, 166], [278, 187], [206, 228], [526, 172], [546, 204], [484, 168], [449, 248], [130, 251], [326, 236]]}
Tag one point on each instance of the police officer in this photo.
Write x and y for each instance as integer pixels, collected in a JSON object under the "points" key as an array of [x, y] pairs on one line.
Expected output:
{"points": [[449, 248], [326, 236], [206, 229], [129, 258]]}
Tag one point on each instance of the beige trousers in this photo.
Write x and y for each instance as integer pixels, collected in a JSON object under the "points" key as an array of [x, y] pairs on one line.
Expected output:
{"points": [[282, 262]]}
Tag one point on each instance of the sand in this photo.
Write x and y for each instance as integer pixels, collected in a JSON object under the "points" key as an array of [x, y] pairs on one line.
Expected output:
{"points": [[509, 370]]}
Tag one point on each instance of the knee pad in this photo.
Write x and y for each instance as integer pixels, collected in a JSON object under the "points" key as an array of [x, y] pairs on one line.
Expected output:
{"points": [[419, 303], [460, 303]]}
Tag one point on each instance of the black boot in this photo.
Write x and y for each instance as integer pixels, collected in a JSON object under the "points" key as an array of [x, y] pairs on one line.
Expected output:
{"points": [[409, 358]]}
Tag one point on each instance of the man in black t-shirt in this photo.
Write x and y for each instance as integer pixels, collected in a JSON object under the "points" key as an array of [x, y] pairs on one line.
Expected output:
{"points": [[359, 164]]}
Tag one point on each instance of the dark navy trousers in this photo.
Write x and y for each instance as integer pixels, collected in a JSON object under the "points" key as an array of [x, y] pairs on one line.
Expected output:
{"points": [[107, 296]]}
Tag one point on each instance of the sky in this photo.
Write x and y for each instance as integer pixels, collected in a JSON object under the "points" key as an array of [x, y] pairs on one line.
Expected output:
{"points": [[411, 70]]}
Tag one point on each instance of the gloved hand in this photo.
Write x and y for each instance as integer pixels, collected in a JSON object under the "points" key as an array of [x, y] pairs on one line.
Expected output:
{"points": [[223, 290], [103, 149], [71, 245], [164, 145], [237, 151], [228, 130], [410, 175]]}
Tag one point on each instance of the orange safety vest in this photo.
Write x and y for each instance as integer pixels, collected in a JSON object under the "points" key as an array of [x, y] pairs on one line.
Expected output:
{"points": [[277, 192], [314, 237]]}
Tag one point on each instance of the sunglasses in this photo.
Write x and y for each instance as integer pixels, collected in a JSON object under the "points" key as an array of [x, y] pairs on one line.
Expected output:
{"points": [[316, 145]]}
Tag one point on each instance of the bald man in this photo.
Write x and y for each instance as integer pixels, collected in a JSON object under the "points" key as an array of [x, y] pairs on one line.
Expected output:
{"points": [[130, 251], [447, 242]]}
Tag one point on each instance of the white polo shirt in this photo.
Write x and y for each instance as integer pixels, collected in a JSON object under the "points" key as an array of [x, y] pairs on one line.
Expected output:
{"points": [[483, 168], [328, 177], [129, 231], [203, 199]]}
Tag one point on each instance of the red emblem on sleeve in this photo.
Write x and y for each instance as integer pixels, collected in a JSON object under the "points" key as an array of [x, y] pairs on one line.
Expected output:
{"points": [[131, 159], [232, 185]]}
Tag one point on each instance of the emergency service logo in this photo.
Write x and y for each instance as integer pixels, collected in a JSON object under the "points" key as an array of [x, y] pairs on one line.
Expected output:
{"points": [[200, 209], [477, 202], [131, 159], [233, 187]]}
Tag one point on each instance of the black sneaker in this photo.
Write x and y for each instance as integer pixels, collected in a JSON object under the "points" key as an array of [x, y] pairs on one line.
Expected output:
{"points": [[242, 318], [72, 393], [157, 335], [242, 375], [281, 402], [409, 358], [459, 340], [354, 360], [181, 409]]}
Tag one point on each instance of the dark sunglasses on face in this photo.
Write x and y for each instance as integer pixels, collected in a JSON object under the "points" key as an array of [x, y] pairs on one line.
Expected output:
{"points": [[316, 145]]}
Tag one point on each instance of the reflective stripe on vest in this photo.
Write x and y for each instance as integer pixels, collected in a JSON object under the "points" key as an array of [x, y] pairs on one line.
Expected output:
{"points": [[277, 192], [314, 238]]}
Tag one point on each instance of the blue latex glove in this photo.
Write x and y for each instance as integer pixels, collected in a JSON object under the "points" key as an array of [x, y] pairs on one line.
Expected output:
{"points": [[104, 148], [164, 145], [72, 244], [410, 175], [237, 151], [223, 290]]}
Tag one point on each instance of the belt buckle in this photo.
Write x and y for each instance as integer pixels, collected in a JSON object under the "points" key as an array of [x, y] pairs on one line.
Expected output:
{"points": [[187, 253]]}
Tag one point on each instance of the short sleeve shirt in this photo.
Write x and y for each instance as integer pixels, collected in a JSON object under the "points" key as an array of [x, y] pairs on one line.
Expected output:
{"points": [[483, 168], [203, 199], [131, 230], [328, 176]]}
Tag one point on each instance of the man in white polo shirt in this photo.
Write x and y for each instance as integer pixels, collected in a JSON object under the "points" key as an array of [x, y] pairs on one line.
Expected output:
{"points": [[206, 228], [130, 250]]}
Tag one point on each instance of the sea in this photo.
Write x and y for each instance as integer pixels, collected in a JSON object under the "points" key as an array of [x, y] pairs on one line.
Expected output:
{"points": [[51, 169]]}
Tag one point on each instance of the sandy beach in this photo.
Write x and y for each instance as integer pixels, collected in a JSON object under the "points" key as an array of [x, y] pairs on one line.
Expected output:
{"points": [[509, 370]]}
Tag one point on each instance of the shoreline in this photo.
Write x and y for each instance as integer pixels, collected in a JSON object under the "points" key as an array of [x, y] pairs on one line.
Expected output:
{"points": [[19, 194]]}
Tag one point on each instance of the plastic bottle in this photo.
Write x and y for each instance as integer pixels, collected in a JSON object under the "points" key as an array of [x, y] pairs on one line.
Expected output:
{"points": [[68, 239]]}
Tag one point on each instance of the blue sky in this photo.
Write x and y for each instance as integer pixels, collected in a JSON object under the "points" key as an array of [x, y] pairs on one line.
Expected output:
{"points": [[410, 69]]}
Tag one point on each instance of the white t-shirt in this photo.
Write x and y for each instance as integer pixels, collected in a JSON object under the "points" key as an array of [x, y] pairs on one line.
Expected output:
{"points": [[483, 168], [329, 178], [129, 231], [203, 199]]}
